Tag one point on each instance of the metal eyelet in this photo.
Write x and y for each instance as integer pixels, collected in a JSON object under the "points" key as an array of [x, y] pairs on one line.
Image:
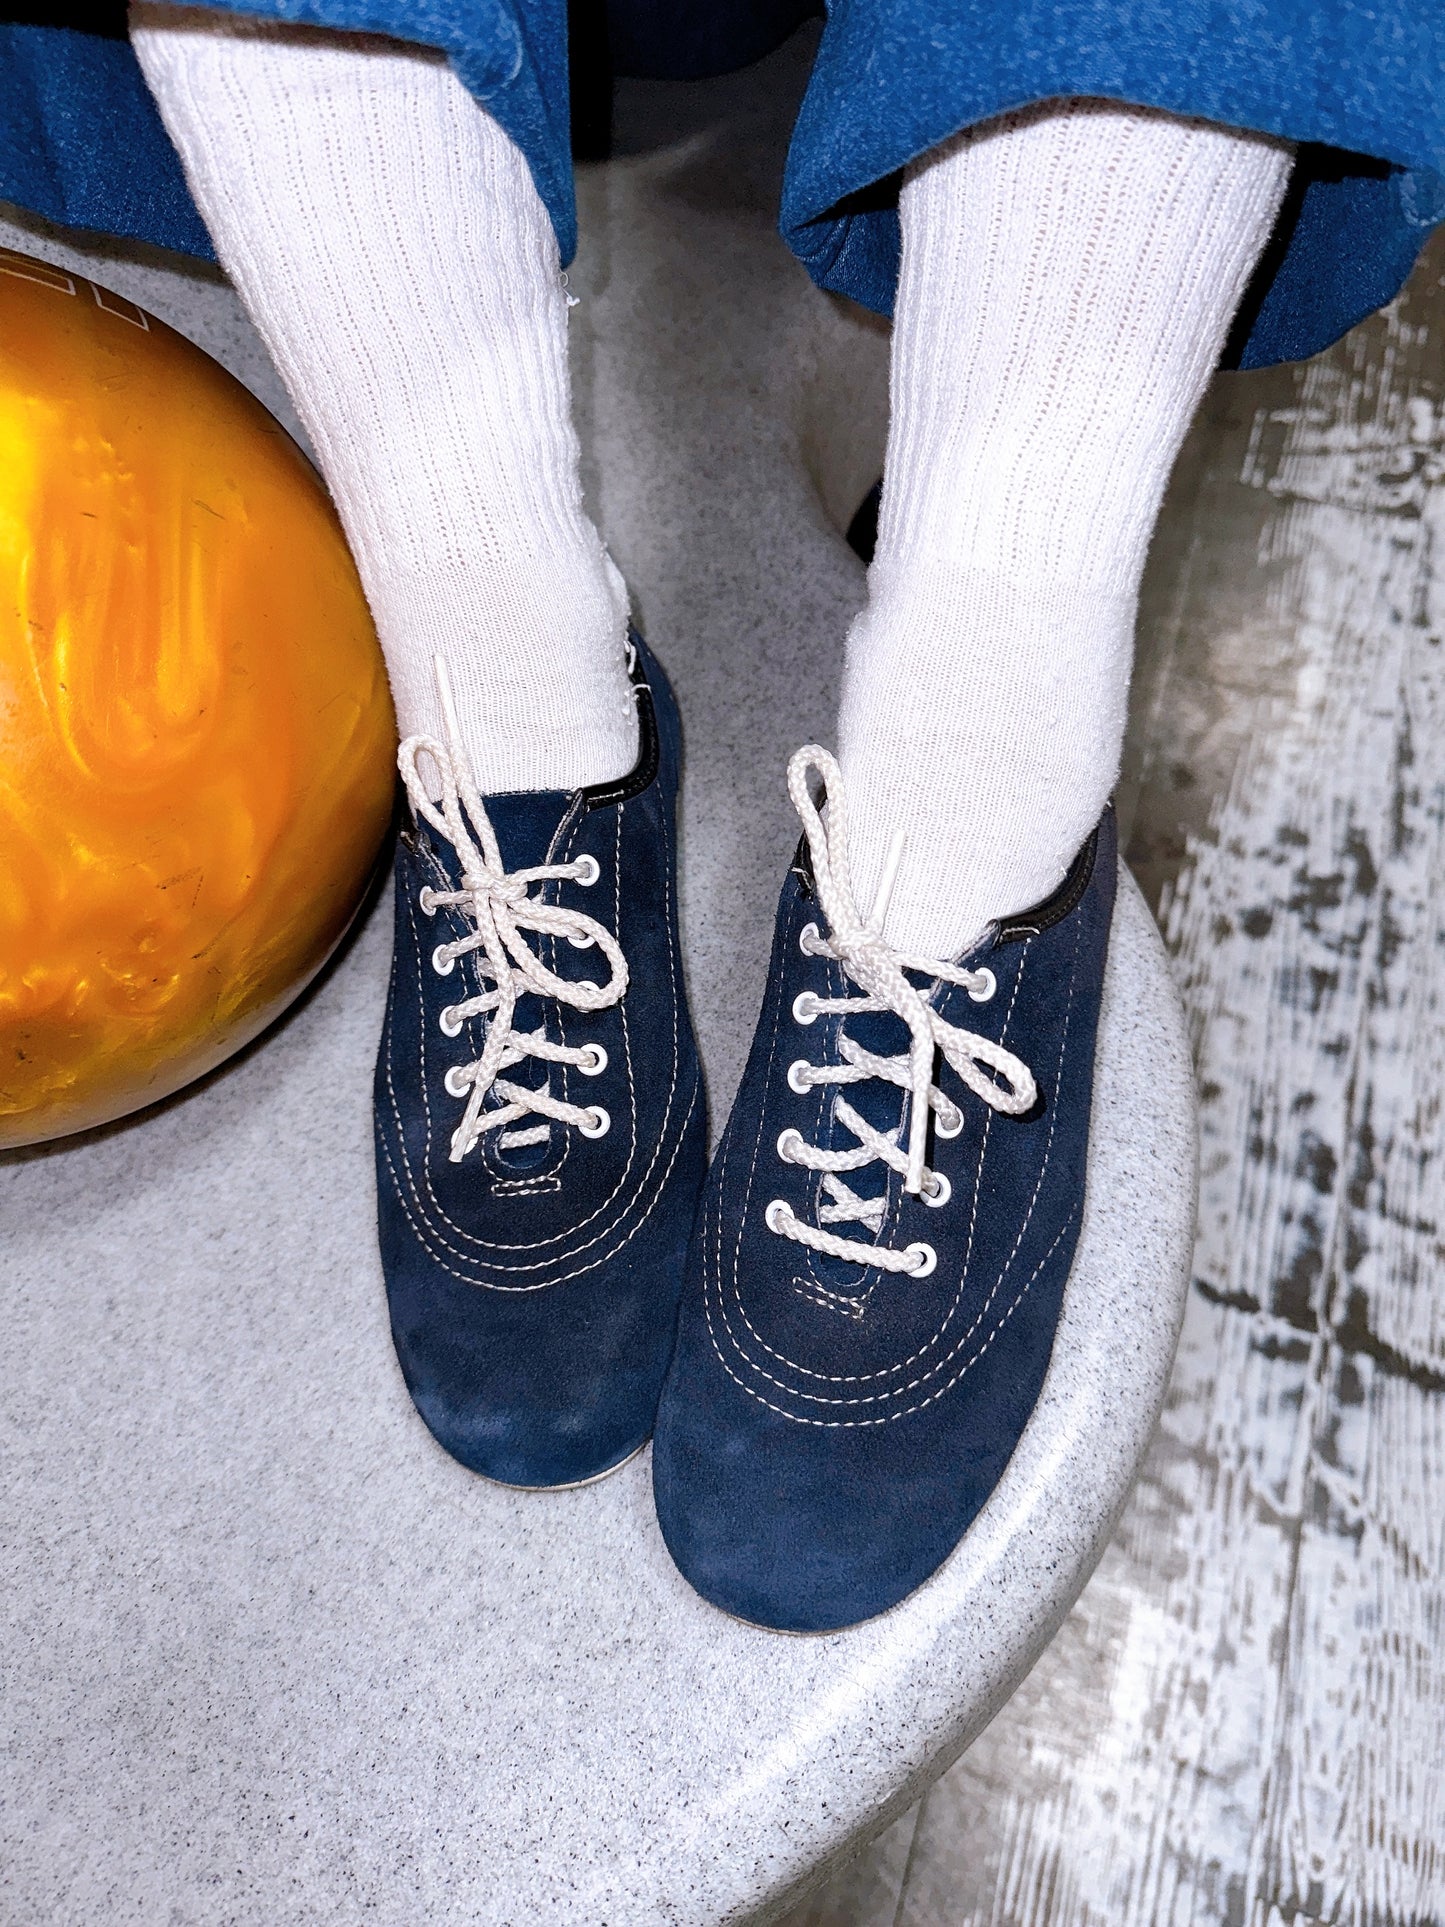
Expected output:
{"points": [[441, 963], [588, 870], [778, 1207], [927, 1259], [797, 1081], [981, 992], [427, 900], [805, 1007], [808, 938], [458, 1080], [451, 1024], [600, 1125], [940, 1194], [595, 1062], [783, 1152], [948, 1130], [583, 942]]}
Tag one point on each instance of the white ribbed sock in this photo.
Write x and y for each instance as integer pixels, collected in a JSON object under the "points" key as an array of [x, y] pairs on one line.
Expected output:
{"points": [[388, 240], [1069, 275]]}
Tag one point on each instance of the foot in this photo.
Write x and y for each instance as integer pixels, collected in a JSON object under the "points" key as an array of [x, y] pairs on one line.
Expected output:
{"points": [[540, 1134], [883, 1243]]}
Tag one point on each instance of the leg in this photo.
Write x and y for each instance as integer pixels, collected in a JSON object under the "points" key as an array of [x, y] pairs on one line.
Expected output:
{"points": [[539, 1123], [890, 1224], [1069, 274], [389, 243]]}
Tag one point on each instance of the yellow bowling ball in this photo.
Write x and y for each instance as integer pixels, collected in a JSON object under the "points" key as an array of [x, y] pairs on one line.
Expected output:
{"points": [[196, 738]]}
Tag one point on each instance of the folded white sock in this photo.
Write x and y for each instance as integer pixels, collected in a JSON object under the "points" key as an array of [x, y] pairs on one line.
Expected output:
{"points": [[392, 249], [1069, 275]]}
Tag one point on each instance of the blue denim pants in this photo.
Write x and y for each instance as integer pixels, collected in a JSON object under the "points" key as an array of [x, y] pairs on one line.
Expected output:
{"points": [[1359, 84]]}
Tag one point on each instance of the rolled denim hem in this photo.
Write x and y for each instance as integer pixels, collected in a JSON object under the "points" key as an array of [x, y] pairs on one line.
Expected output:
{"points": [[81, 141], [1361, 91], [1362, 94]]}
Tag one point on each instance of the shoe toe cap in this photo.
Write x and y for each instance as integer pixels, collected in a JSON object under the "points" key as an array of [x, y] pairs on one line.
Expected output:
{"points": [[535, 1394], [773, 1530]]}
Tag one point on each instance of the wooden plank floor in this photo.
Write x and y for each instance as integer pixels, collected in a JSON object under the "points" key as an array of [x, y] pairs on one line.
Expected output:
{"points": [[1243, 1721]]}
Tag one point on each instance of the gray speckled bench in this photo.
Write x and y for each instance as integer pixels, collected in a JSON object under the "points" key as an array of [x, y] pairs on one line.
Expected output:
{"points": [[269, 1657]]}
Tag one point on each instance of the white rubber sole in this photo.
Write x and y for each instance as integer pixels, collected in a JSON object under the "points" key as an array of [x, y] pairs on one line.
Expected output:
{"points": [[573, 1485]]}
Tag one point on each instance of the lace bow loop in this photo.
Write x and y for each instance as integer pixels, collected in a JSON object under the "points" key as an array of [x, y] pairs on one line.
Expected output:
{"points": [[965, 1050]]}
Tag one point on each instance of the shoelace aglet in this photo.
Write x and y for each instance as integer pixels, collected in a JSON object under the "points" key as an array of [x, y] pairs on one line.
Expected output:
{"points": [[449, 707], [883, 896]]}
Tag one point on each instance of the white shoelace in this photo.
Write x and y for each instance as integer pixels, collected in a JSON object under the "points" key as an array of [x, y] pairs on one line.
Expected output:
{"points": [[879, 971], [497, 904]]}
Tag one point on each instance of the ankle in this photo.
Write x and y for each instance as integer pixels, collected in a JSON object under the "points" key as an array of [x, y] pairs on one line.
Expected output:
{"points": [[983, 718], [538, 662]]}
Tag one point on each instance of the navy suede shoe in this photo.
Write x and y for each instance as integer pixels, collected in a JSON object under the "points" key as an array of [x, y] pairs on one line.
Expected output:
{"points": [[881, 1251], [540, 1133]]}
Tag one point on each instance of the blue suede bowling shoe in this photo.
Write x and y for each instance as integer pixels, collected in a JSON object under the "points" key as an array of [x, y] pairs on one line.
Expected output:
{"points": [[540, 1134], [883, 1242]]}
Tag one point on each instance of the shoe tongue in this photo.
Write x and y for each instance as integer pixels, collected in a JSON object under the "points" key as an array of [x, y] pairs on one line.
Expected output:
{"points": [[885, 1035], [525, 822], [878, 1031]]}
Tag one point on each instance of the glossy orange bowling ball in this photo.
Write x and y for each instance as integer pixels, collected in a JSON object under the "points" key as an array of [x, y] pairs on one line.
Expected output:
{"points": [[196, 738]]}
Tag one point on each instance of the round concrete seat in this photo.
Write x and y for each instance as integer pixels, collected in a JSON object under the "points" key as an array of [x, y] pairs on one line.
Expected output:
{"points": [[271, 1657]]}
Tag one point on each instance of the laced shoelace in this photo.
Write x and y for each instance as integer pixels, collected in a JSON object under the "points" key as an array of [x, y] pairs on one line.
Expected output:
{"points": [[496, 903], [879, 970]]}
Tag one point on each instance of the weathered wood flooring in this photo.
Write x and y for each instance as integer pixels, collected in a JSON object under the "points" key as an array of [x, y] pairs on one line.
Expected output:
{"points": [[1243, 1721]]}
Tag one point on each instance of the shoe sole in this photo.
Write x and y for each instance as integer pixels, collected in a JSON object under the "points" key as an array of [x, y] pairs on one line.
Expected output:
{"points": [[571, 1485], [805, 1632]]}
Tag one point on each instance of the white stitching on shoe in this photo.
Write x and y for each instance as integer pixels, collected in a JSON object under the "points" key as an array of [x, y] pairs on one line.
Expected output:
{"points": [[838, 1301], [886, 1418]]}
